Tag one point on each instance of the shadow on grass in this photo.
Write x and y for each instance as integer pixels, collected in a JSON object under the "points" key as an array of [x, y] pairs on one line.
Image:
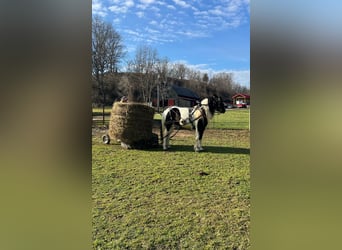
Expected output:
{"points": [[207, 149], [190, 148]]}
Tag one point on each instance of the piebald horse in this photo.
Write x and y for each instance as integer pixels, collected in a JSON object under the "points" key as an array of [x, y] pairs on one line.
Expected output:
{"points": [[199, 118]]}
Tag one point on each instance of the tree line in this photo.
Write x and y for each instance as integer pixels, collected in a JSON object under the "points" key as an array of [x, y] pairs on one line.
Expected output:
{"points": [[146, 73]]}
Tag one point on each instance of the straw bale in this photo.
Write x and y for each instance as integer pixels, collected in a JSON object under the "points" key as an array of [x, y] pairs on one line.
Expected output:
{"points": [[131, 123]]}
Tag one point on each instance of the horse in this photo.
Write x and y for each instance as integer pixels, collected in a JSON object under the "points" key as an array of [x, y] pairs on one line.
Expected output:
{"points": [[199, 117]]}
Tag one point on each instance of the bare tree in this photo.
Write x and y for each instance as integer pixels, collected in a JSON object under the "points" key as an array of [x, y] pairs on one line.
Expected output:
{"points": [[178, 71], [193, 74], [162, 68], [222, 84], [237, 88], [144, 67], [107, 51]]}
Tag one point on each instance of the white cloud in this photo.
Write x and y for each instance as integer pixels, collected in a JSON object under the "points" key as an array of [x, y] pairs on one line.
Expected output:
{"points": [[140, 14], [217, 11], [142, 6], [98, 8], [182, 3], [193, 33], [121, 6], [116, 20], [154, 8], [147, 2], [201, 13], [118, 9], [169, 20], [161, 3], [233, 6], [129, 3], [132, 32], [154, 22], [96, 5], [241, 77], [171, 7], [149, 30]]}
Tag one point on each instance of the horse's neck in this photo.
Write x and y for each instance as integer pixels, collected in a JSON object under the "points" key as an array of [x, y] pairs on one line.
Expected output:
{"points": [[205, 106]]}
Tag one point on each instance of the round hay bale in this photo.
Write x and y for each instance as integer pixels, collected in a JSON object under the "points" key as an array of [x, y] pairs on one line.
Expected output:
{"points": [[131, 123]]}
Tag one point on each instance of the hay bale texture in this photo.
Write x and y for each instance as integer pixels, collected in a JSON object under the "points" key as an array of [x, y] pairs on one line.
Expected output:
{"points": [[131, 123]]}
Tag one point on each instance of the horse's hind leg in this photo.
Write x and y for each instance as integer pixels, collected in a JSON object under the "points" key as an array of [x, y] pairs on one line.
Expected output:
{"points": [[165, 131], [166, 140]]}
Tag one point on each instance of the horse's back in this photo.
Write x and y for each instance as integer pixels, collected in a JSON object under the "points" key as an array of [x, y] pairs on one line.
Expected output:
{"points": [[183, 111]]}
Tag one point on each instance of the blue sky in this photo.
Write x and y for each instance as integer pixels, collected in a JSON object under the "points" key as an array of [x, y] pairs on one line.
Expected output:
{"points": [[208, 35]]}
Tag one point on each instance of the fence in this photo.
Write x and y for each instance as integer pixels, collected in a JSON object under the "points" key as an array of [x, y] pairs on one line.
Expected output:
{"points": [[232, 119]]}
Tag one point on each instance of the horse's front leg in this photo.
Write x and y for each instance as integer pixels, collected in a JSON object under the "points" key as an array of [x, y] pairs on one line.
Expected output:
{"points": [[199, 134], [200, 145], [197, 145], [199, 141]]}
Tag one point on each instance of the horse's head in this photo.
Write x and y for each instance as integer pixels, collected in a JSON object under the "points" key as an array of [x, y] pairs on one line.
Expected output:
{"points": [[216, 104]]}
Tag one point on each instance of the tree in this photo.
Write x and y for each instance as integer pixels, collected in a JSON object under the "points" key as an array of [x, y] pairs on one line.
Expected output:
{"points": [[162, 68], [222, 84], [178, 71], [205, 78], [144, 67], [193, 74], [107, 52]]}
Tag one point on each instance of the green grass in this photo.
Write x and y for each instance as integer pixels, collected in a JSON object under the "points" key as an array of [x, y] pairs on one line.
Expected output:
{"points": [[232, 119], [151, 199]]}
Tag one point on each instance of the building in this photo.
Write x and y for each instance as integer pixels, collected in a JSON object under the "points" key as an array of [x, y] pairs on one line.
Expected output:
{"points": [[179, 96], [182, 97], [241, 100]]}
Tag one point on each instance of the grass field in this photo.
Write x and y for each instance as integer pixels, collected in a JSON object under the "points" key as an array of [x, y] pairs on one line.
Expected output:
{"points": [[151, 199], [232, 119]]}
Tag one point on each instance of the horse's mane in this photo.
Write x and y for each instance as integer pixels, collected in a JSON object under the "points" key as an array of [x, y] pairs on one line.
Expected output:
{"points": [[211, 105]]}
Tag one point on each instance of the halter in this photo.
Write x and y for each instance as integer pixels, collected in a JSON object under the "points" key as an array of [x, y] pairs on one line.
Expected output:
{"points": [[203, 114]]}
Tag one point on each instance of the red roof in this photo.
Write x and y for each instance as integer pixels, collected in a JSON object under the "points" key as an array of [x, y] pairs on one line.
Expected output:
{"points": [[242, 95]]}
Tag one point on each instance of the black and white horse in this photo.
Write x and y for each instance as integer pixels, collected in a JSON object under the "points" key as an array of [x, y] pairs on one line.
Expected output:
{"points": [[199, 117]]}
